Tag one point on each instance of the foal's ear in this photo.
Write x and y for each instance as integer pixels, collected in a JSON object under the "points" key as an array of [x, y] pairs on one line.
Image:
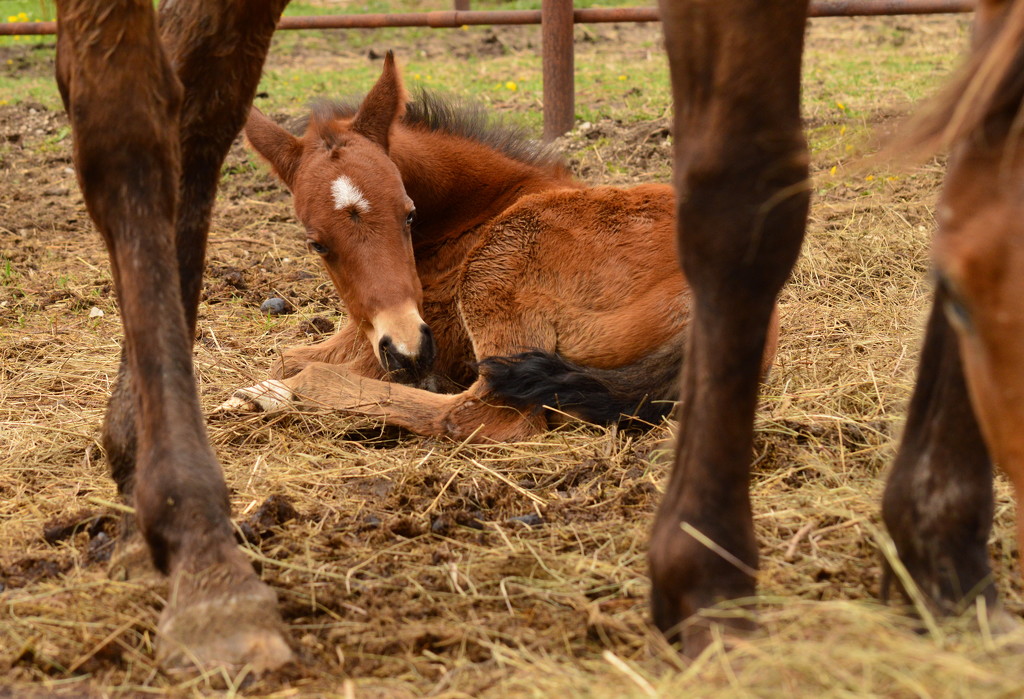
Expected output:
{"points": [[383, 106], [278, 147]]}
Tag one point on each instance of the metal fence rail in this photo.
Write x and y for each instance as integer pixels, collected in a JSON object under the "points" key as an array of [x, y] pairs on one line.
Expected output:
{"points": [[557, 18]]}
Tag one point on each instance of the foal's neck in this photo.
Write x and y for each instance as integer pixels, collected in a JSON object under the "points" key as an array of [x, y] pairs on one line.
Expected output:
{"points": [[457, 183]]}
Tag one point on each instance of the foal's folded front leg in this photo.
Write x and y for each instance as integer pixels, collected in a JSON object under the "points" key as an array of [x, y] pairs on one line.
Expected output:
{"points": [[472, 414], [347, 347]]}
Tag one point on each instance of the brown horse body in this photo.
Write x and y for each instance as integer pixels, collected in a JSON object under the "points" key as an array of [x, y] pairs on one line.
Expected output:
{"points": [[561, 295]]}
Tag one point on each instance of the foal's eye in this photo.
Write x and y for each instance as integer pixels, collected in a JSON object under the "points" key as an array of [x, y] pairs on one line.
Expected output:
{"points": [[317, 247], [410, 218]]}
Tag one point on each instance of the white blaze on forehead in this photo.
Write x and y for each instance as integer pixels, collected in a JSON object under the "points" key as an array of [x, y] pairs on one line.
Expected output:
{"points": [[346, 194]]}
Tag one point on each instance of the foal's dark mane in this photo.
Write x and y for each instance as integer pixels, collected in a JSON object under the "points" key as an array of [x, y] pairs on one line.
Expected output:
{"points": [[432, 112]]}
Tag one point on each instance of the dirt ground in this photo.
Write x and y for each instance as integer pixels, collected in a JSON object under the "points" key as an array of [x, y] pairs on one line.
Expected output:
{"points": [[407, 566]]}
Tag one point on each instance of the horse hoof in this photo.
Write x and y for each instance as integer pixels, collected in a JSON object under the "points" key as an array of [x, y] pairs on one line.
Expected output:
{"points": [[214, 622], [267, 396]]}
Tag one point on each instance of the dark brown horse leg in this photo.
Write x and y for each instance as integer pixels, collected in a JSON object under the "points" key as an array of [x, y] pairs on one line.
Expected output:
{"points": [[124, 103], [741, 178], [938, 500], [217, 49]]}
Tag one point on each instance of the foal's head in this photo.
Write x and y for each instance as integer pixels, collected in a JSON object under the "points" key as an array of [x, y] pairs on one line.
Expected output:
{"points": [[350, 198]]}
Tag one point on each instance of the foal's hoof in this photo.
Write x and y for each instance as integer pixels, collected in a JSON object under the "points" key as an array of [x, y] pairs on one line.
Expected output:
{"points": [[214, 621], [267, 396]]}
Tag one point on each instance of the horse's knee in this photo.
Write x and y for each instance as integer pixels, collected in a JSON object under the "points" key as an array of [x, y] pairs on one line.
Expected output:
{"points": [[741, 220]]}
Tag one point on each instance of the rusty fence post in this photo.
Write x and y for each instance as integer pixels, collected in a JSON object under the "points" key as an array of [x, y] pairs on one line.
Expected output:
{"points": [[558, 67]]}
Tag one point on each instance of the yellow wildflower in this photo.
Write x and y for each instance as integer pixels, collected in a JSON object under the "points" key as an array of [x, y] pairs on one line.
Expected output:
{"points": [[832, 171], [622, 77], [870, 178], [510, 85], [841, 106]]}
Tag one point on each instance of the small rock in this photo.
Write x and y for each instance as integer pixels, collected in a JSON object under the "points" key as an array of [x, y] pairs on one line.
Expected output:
{"points": [[96, 312], [100, 548], [530, 520], [371, 522], [276, 307]]}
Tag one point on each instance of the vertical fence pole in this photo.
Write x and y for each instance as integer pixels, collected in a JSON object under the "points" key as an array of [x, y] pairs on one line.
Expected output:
{"points": [[559, 90]]}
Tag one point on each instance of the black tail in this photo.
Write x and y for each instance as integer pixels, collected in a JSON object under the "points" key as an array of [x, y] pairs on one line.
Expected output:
{"points": [[643, 392]]}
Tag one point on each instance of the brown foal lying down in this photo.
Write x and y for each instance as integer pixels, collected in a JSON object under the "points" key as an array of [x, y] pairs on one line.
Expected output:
{"points": [[467, 257]]}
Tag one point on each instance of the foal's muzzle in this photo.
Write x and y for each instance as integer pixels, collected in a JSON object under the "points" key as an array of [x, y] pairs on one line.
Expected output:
{"points": [[407, 367]]}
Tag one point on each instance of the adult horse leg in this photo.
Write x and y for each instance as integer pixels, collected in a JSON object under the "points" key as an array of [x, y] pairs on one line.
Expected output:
{"points": [[741, 178], [202, 39], [938, 498], [124, 103]]}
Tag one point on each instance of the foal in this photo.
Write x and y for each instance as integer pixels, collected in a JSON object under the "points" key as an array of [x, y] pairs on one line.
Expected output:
{"points": [[154, 109], [465, 257], [741, 171]]}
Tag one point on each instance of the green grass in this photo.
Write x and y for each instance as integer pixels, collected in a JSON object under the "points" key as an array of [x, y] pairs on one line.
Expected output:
{"points": [[32, 89], [842, 88], [34, 10]]}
